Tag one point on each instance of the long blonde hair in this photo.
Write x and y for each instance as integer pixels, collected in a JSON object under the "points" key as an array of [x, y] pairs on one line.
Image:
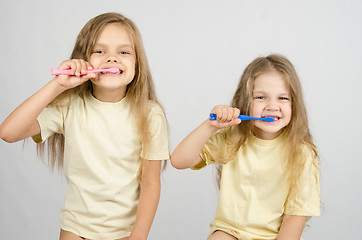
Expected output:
{"points": [[139, 91], [296, 133]]}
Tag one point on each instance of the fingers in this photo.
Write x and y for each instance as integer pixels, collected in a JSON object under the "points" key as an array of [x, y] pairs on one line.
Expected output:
{"points": [[77, 67], [89, 67], [83, 66], [226, 116], [78, 70], [225, 113]]}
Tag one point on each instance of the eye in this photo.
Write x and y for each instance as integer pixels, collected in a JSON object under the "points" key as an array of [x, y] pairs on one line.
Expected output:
{"points": [[259, 97], [124, 52], [284, 98], [98, 51]]}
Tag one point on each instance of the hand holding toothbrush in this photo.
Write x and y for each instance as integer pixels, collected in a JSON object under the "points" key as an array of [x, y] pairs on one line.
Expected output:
{"points": [[225, 116], [72, 73]]}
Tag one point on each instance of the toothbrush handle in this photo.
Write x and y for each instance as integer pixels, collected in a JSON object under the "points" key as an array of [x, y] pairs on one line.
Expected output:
{"points": [[212, 116], [242, 118], [96, 70], [60, 71], [245, 117], [68, 71], [266, 119]]}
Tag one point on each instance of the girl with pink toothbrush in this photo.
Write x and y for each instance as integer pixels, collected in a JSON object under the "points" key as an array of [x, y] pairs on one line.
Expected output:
{"points": [[268, 171], [104, 126]]}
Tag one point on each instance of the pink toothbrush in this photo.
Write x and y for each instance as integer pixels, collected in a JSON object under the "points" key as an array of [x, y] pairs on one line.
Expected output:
{"points": [[68, 71]]}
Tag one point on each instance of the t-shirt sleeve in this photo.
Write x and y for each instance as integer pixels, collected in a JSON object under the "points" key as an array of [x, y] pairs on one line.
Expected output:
{"points": [[306, 201], [159, 147], [50, 121], [208, 153]]}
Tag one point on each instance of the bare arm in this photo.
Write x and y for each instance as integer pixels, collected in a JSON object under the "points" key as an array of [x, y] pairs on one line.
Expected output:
{"points": [[22, 122], [149, 197], [292, 227], [187, 153]]}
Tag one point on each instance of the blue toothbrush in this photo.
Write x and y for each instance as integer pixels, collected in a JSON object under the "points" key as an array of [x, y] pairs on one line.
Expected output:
{"points": [[244, 117]]}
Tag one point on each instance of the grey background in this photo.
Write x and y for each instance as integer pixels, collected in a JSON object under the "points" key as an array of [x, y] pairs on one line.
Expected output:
{"points": [[197, 51]]}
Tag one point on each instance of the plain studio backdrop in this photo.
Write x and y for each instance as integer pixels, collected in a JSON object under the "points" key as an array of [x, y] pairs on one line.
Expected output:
{"points": [[197, 51]]}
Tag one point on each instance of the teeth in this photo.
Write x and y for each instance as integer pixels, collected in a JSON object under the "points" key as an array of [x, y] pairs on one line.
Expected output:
{"points": [[275, 118], [120, 72]]}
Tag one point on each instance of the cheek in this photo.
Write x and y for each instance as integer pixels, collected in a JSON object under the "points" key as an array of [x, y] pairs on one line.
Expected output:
{"points": [[131, 65], [94, 62], [288, 111], [256, 108]]}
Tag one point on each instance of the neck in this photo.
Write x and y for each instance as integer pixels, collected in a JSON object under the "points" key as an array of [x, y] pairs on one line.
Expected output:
{"points": [[106, 95], [266, 136]]}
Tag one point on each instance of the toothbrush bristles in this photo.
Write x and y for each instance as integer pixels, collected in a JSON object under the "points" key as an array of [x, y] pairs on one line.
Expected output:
{"points": [[270, 119]]}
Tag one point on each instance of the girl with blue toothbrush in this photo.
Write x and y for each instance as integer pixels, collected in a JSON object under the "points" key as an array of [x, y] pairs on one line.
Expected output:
{"points": [[269, 176]]}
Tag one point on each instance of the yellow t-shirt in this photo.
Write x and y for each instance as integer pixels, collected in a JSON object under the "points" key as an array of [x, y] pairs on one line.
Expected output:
{"points": [[253, 188], [101, 159]]}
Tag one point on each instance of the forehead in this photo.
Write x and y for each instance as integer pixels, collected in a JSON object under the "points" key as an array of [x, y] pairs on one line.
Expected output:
{"points": [[115, 33], [271, 81]]}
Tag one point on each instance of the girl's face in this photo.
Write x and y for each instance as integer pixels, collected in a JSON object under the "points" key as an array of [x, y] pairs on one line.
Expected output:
{"points": [[271, 98], [113, 48]]}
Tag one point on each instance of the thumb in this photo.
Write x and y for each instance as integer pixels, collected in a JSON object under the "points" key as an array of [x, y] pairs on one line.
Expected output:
{"points": [[235, 121], [91, 75]]}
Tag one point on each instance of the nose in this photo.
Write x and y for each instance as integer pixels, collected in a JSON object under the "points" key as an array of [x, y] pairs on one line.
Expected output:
{"points": [[111, 59], [272, 106]]}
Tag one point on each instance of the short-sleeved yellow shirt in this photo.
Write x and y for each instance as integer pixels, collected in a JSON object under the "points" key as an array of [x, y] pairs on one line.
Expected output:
{"points": [[254, 191], [101, 159]]}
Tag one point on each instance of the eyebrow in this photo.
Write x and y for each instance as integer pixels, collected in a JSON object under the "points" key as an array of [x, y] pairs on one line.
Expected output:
{"points": [[119, 46], [263, 92]]}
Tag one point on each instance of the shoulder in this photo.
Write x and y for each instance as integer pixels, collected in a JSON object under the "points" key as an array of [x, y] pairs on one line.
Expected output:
{"points": [[154, 105], [224, 139], [311, 157], [66, 105], [155, 108], [156, 115], [230, 135], [309, 151], [67, 100]]}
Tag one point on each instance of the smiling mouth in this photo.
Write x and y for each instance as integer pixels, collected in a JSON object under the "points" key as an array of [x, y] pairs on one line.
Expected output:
{"points": [[116, 73], [275, 118]]}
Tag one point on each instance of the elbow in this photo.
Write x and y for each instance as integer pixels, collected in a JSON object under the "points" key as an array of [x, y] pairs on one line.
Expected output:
{"points": [[7, 139], [4, 135], [176, 163]]}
